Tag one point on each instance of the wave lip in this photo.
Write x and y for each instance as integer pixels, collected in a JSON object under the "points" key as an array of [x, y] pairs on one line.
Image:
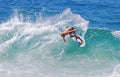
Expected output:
{"points": [[116, 34]]}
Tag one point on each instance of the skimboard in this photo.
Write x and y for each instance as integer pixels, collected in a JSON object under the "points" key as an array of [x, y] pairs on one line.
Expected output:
{"points": [[78, 41]]}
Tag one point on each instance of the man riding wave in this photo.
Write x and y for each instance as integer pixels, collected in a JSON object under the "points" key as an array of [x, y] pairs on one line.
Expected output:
{"points": [[71, 32]]}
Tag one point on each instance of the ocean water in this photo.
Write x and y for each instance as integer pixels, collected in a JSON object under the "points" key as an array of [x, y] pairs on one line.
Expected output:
{"points": [[31, 45]]}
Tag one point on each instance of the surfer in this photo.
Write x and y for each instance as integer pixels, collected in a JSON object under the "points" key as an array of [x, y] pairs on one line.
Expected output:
{"points": [[71, 32]]}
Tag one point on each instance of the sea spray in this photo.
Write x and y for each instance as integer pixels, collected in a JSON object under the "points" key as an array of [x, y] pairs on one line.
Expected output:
{"points": [[116, 34]]}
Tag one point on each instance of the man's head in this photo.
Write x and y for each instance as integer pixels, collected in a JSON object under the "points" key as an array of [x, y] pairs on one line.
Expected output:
{"points": [[72, 27]]}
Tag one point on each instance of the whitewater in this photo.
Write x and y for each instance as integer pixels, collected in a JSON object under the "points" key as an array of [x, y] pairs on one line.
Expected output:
{"points": [[35, 48]]}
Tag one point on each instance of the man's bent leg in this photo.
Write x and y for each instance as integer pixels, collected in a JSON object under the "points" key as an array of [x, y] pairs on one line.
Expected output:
{"points": [[79, 38]]}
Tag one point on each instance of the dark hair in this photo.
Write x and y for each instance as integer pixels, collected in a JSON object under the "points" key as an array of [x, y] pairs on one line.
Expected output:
{"points": [[72, 28]]}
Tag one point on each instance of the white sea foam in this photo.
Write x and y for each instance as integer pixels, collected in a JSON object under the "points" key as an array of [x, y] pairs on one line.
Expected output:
{"points": [[116, 71], [116, 34]]}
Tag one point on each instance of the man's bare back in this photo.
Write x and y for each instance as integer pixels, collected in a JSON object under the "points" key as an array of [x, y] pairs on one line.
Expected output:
{"points": [[71, 32]]}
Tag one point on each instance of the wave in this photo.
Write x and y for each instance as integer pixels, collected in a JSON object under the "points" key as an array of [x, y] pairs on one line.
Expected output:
{"points": [[20, 35], [100, 43], [36, 48], [102, 40]]}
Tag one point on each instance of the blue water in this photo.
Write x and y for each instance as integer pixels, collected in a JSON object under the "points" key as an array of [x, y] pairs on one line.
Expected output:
{"points": [[99, 13], [31, 46]]}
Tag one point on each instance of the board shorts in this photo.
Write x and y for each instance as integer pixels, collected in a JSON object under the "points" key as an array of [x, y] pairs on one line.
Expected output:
{"points": [[72, 34]]}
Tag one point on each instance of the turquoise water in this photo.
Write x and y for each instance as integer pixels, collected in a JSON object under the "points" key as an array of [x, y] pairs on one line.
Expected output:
{"points": [[31, 45]]}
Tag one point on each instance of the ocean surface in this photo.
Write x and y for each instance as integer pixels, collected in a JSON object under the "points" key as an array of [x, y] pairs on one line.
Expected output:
{"points": [[31, 45]]}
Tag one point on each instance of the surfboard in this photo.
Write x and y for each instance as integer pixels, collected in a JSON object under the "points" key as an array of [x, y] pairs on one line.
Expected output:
{"points": [[78, 41]]}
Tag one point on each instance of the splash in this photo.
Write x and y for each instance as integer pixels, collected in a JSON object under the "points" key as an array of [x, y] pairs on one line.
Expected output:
{"points": [[116, 34], [18, 30], [37, 43]]}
